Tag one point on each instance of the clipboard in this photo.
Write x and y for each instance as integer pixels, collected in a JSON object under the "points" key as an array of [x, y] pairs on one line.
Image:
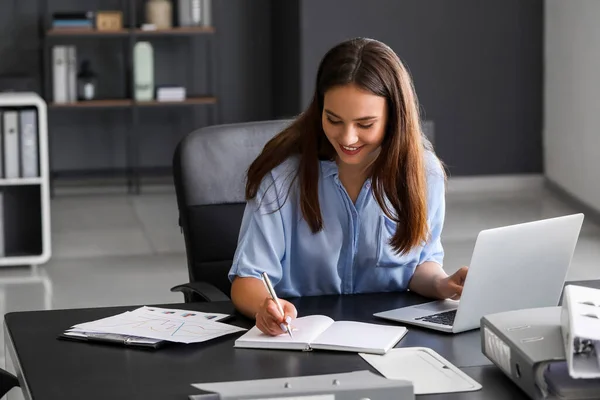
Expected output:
{"points": [[87, 333], [113, 339], [429, 372]]}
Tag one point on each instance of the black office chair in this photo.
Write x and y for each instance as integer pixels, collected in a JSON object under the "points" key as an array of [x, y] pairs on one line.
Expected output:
{"points": [[209, 170], [7, 382]]}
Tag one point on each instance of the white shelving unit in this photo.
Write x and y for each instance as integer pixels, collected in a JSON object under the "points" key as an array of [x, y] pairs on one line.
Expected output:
{"points": [[26, 201]]}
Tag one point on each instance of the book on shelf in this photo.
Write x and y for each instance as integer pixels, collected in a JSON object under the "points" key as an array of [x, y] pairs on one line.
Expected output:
{"points": [[64, 74], [73, 20], [76, 25]]}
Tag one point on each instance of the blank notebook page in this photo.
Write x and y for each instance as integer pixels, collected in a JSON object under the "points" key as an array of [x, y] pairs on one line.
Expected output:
{"points": [[360, 336], [304, 330]]}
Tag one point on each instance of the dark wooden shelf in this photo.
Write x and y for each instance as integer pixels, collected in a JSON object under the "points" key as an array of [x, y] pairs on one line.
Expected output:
{"points": [[86, 32], [189, 101], [94, 103], [124, 105], [129, 103], [192, 30], [178, 30]]}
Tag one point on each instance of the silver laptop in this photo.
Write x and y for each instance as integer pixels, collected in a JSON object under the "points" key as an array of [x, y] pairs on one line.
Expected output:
{"points": [[513, 267]]}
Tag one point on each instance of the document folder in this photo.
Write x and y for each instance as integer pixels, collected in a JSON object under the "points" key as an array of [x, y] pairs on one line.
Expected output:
{"points": [[527, 346], [580, 320], [345, 386], [114, 338]]}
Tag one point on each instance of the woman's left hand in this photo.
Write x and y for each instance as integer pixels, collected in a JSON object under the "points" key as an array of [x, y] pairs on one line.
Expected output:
{"points": [[451, 287]]}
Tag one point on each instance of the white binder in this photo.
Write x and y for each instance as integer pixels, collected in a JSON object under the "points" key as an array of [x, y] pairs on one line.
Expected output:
{"points": [[1, 145], [29, 144], [59, 74], [206, 13], [11, 144], [580, 325], [2, 250], [72, 74]]}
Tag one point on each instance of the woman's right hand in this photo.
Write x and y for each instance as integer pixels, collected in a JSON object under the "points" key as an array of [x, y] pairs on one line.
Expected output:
{"points": [[270, 321]]}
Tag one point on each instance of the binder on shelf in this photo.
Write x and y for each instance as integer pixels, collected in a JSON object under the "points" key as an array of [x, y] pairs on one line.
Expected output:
{"points": [[59, 74], [71, 74], [11, 144], [29, 144], [580, 320], [2, 246], [206, 13], [1, 144], [527, 346]]}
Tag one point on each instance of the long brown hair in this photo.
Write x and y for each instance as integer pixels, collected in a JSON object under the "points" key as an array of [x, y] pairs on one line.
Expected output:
{"points": [[398, 173]]}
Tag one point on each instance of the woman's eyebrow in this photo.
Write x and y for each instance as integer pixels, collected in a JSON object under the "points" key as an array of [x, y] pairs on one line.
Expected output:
{"points": [[369, 117]]}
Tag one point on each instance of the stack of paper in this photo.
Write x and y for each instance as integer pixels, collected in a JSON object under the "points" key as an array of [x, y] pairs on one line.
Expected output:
{"points": [[151, 325]]}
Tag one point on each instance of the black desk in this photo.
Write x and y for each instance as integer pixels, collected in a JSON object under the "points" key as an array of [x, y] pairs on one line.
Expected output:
{"points": [[58, 369]]}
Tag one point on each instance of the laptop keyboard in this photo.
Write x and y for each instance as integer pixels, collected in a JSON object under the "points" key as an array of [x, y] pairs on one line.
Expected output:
{"points": [[443, 318]]}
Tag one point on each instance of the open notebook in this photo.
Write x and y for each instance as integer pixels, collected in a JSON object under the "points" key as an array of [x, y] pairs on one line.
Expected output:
{"points": [[321, 332]]}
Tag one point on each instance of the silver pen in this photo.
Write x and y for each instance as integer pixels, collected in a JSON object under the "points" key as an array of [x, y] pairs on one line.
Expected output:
{"points": [[269, 286]]}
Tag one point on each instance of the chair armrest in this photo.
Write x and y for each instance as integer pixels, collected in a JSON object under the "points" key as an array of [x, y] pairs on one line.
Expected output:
{"points": [[205, 290], [7, 382]]}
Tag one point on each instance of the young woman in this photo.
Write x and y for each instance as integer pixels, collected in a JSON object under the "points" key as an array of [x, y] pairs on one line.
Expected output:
{"points": [[349, 198]]}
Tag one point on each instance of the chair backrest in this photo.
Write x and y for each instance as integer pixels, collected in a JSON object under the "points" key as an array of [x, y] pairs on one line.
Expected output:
{"points": [[209, 170]]}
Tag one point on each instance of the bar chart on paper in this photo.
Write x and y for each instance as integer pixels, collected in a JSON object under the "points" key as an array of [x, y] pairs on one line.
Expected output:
{"points": [[170, 325]]}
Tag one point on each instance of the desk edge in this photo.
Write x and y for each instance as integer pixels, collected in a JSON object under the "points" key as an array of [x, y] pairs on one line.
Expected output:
{"points": [[11, 352]]}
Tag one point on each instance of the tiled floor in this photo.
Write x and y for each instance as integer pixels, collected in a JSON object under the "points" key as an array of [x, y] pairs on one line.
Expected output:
{"points": [[115, 249]]}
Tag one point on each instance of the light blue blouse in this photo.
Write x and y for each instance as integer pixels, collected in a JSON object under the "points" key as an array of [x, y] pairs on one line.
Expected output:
{"points": [[350, 255]]}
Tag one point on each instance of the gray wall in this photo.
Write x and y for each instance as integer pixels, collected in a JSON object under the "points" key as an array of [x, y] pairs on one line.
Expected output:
{"points": [[94, 138], [285, 31], [477, 67], [571, 139]]}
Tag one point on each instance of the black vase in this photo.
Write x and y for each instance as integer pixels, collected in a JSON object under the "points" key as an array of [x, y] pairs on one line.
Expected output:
{"points": [[86, 82]]}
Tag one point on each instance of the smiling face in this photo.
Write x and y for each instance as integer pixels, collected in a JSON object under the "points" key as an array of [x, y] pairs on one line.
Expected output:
{"points": [[354, 121]]}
